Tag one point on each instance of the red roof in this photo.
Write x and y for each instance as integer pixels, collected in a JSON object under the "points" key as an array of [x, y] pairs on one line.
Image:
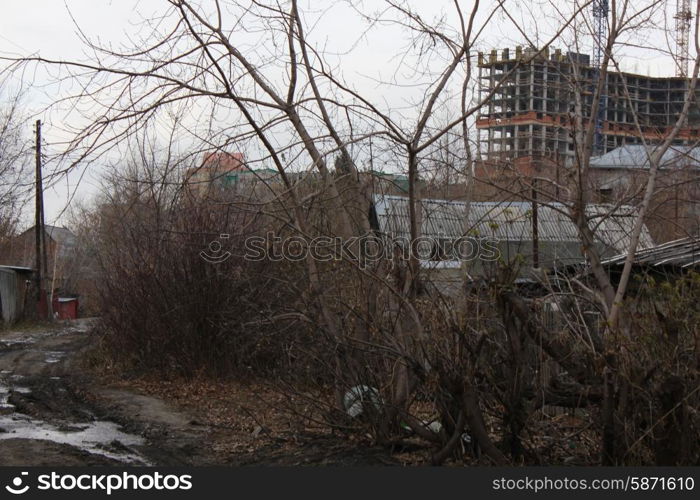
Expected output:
{"points": [[224, 162]]}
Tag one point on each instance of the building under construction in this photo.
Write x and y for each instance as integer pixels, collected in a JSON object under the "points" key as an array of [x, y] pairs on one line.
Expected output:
{"points": [[530, 105]]}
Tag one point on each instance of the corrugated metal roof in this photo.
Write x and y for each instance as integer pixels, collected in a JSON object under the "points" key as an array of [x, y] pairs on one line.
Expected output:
{"points": [[17, 268], [637, 156], [678, 253], [507, 221]]}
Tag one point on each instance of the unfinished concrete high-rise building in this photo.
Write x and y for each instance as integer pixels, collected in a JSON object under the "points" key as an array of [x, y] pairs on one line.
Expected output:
{"points": [[530, 110]]}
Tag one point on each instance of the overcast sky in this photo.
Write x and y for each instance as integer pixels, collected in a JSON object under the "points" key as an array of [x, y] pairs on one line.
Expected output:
{"points": [[45, 27]]}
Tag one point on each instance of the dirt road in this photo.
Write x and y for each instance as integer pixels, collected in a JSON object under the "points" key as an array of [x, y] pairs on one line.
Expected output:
{"points": [[52, 414], [55, 412]]}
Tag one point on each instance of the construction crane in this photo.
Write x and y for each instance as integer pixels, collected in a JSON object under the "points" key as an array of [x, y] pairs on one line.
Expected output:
{"points": [[682, 17], [600, 19]]}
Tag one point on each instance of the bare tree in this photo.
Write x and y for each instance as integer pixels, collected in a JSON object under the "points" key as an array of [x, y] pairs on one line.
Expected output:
{"points": [[13, 160], [252, 78]]}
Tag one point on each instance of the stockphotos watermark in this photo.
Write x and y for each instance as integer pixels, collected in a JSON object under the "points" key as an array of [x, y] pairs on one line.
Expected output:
{"points": [[103, 483], [364, 250]]}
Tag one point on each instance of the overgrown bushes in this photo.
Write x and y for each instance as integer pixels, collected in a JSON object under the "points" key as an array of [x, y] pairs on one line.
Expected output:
{"points": [[478, 375], [179, 299]]}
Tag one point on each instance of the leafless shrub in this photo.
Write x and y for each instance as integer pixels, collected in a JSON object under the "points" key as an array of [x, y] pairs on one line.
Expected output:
{"points": [[14, 159], [165, 308]]}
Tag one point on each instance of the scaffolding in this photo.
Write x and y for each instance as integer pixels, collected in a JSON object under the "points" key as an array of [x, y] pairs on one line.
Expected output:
{"points": [[529, 104]]}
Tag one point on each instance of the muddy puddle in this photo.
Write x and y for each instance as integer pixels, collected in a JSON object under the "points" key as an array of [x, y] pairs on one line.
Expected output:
{"points": [[53, 356], [103, 438], [98, 438], [26, 414]]}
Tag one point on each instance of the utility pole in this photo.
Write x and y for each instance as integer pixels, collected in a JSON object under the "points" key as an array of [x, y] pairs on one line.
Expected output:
{"points": [[39, 227], [38, 198]]}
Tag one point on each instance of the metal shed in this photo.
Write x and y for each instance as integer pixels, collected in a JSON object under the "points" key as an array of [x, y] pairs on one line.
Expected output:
{"points": [[510, 226], [13, 292]]}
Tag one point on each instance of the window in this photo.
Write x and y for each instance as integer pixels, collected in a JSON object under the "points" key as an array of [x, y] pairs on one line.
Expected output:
{"points": [[605, 195]]}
